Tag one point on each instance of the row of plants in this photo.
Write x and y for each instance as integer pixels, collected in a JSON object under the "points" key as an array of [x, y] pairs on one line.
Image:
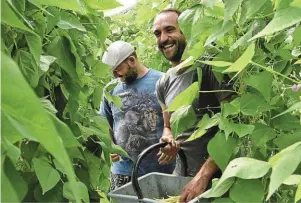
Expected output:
{"points": [[55, 145]]}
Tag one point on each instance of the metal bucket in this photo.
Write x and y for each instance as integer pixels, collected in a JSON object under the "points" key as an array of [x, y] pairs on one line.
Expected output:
{"points": [[155, 186]]}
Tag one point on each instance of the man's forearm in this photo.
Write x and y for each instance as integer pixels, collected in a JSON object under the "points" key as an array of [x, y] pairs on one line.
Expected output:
{"points": [[208, 169], [167, 132]]}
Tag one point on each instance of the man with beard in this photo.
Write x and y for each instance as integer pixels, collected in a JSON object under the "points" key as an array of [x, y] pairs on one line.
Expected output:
{"points": [[136, 88], [172, 42]]}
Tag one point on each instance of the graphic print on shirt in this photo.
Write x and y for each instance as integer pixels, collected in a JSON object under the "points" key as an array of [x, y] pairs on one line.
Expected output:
{"points": [[137, 127]]}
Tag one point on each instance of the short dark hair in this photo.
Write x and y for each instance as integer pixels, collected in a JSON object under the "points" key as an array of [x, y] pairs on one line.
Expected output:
{"points": [[174, 10]]}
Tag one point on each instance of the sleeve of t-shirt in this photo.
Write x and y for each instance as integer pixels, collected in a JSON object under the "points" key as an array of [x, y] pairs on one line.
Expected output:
{"points": [[160, 90], [215, 85]]}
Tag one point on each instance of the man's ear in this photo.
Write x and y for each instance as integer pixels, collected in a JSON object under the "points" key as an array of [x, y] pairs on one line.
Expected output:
{"points": [[132, 60]]}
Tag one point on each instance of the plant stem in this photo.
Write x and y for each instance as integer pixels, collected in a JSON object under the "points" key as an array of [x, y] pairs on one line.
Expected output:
{"points": [[275, 72]]}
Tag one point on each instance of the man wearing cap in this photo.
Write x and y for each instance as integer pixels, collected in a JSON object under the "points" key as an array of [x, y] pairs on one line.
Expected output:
{"points": [[172, 43], [138, 123]]}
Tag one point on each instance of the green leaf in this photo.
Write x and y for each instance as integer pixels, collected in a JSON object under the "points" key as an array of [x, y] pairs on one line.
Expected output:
{"points": [[283, 164], [298, 194], [290, 109], [247, 191], [229, 109], [9, 17], [65, 133], [230, 7], [16, 96], [60, 48], [217, 63], [112, 98], [28, 67], [13, 186], [286, 140], [265, 79], [242, 129], [250, 7], [221, 157], [103, 4], [94, 167], [102, 135], [116, 149], [182, 119], [244, 168], [188, 19], [243, 40], [293, 180], [10, 150], [80, 188], [283, 18], [218, 31], [185, 98], [47, 175], [35, 46], [243, 60], [97, 95], [251, 104], [66, 4], [262, 134], [286, 122], [53, 195], [70, 21], [45, 62]]}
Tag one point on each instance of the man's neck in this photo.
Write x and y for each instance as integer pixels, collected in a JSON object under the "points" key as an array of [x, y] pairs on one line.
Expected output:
{"points": [[141, 70]]}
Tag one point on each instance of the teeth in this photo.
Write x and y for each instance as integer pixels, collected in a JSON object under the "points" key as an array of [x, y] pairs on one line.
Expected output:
{"points": [[168, 46]]}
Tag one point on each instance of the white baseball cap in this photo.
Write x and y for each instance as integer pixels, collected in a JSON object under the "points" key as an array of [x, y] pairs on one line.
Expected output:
{"points": [[116, 53]]}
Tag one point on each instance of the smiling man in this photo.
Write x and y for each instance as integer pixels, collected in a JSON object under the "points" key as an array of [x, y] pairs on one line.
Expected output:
{"points": [[172, 42], [138, 123]]}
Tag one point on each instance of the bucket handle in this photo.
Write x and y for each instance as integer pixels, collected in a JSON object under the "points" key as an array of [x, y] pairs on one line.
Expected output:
{"points": [[143, 154]]}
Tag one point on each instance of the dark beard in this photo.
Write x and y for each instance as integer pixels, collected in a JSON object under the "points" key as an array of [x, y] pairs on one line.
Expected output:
{"points": [[130, 77], [180, 51]]}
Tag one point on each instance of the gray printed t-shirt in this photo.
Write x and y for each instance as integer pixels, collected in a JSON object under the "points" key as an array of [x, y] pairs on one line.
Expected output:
{"points": [[137, 124], [168, 87]]}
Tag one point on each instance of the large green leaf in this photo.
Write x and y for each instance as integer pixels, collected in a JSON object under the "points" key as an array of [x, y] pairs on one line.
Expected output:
{"points": [[290, 109], [182, 119], [262, 134], [28, 67], [188, 19], [65, 133], [283, 18], [243, 40], [244, 168], [221, 157], [60, 48], [94, 167], [45, 62], [230, 7], [53, 195], [203, 125], [243, 60], [247, 191], [10, 150], [217, 63], [240, 129], [16, 96], [218, 31], [284, 164], [70, 21], [293, 180], [251, 104], [33, 40], [13, 186], [81, 191], [298, 194], [47, 175], [103, 4], [265, 79], [229, 109], [250, 7], [286, 140], [286, 122], [185, 98], [66, 4]]}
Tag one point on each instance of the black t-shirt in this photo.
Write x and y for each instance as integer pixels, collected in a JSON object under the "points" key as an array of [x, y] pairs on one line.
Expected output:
{"points": [[169, 86]]}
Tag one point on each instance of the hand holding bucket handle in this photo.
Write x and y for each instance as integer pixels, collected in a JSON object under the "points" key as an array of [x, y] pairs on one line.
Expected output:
{"points": [[143, 154]]}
